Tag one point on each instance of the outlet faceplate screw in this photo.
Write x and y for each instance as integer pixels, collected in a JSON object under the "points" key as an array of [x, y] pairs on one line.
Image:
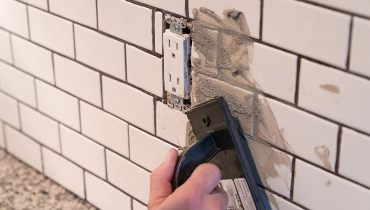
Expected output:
{"points": [[177, 100], [177, 27]]}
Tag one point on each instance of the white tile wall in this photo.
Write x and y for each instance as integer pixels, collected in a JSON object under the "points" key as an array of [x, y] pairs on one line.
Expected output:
{"points": [[275, 202], [58, 105], [43, 4], [159, 29], [308, 136], [127, 21], [359, 6], [33, 59], [354, 150], [13, 17], [9, 110], [128, 177], [250, 9], [314, 32], [326, 191], [146, 75], [138, 206], [77, 80], [171, 124], [63, 172], [83, 151], [139, 112], [5, 50], [17, 84], [281, 68], [335, 94], [41, 128], [2, 139], [146, 150], [104, 128], [51, 31], [177, 7], [23, 148], [81, 11], [100, 52], [360, 50], [104, 196]]}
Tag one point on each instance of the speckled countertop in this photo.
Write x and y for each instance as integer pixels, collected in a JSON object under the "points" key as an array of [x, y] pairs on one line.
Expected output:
{"points": [[23, 188]]}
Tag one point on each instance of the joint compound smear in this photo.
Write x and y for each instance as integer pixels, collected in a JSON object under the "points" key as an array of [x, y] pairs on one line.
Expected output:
{"points": [[222, 52]]}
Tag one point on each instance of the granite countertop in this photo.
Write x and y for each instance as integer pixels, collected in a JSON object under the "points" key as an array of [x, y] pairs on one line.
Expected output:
{"points": [[23, 188]]}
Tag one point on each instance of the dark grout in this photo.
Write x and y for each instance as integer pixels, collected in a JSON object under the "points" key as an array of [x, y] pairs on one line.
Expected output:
{"points": [[348, 62], [298, 74], [339, 143], [28, 23], [261, 19], [187, 9], [282, 197], [153, 30], [292, 179]]}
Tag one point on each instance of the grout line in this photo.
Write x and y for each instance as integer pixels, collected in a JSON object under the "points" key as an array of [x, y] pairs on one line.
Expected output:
{"points": [[132, 204], [123, 157], [106, 163], [36, 98], [84, 178], [351, 27], [19, 115], [292, 179], [261, 18], [54, 71], [60, 139], [74, 41], [97, 14], [11, 49], [101, 90], [48, 5], [155, 115], [298, 75], [339, 143], [187, 9], [42, 160], [79, 116], [4, 135], [153, 30], [28, 22], [125, 59], [282, 197], [129, 141]]}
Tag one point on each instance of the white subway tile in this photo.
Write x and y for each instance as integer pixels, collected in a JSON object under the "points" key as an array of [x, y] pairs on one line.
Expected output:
{"points": [[274, 202], [2, 139], [177, 7], [281, 68], [51, 31], [63, 172], [128, 103], [306, 29], [309, 137], [104, 196], [360, 48], [17, 84], [317, 189], [130, 22], [354, 150], [138, 206], [250, 9], [101, 52], [23, 148], [42, 4], [40, 127], [5, 50], [335, 94], [13, 17], [171, 124], [104, 128], [83, 151], [58, 104], [128, 177], [81, 11], [144, 70], [33, 59], [146, 150], [159, 26], [359, 6], [9, 110], [77, 80]]}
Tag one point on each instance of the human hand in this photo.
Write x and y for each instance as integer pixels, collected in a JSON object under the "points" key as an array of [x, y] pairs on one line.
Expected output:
{"points": [[200, 191]]}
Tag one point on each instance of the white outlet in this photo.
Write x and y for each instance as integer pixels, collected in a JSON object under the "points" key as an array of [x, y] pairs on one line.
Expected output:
{"points": [[176, 71]]}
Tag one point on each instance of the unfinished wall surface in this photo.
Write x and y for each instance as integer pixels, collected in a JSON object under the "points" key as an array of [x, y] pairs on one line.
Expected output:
{"points": [[82, 93]]}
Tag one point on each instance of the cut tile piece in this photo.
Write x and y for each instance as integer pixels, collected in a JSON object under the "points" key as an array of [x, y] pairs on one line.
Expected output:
{"points": [[354, 150], [130, 104], [138, 206], [58, 105], [274, 202], [13, 17], [77, 80], [335, 94], [128, 177], [5, 50], [104, 196], [146, 75], [101, 52], [104, 128], [9, 110], [360, 48], [33, 59], [23, 148], [361, 6], [63, 172], [40, 127], [43, 4], [317, 189], [159, 29], [17, 84], [177, 7]]}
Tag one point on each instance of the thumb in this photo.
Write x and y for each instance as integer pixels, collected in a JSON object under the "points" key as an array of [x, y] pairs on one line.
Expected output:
{"points": [[161, 177]]}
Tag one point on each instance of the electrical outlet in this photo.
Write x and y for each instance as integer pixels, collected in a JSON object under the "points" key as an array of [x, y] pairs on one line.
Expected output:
{"points": [[176, 70]]}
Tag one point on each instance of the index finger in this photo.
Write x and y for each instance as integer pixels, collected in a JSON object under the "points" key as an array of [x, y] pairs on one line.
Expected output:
{"points": [[205, 177]]}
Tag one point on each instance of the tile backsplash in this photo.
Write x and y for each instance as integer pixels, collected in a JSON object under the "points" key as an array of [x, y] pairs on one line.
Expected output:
{"points": [[82, 95]]}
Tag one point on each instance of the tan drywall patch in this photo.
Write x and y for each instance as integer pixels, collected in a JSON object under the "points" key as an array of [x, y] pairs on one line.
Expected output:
{"points": [[330, 88], [323, 153]]}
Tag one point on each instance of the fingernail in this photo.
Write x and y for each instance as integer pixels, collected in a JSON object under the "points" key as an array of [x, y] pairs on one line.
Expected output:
{"points": [[168, 155]]}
